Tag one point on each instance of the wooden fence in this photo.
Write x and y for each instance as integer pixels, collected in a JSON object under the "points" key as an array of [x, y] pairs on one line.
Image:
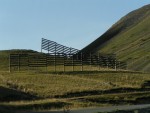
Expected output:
{"points": [[63, 58], [64, 62]]}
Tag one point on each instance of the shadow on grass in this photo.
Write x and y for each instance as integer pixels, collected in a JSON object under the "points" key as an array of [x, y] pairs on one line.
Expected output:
{"points": [[100, 92], [6, 109], [145, 110], [7, 94], [113, 101], [36, 106], [87, 72]]}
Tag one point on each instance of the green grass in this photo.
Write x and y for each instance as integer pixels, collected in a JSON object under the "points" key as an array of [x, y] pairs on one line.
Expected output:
{"points": [[41, 91], [38, 89], [129, 46], [51, 85], [129, 39], [4, 57], [4, 63]]}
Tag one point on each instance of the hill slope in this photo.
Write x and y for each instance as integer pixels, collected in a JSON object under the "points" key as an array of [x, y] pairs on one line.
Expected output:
{"points": [[129, 39], [4, 57]]}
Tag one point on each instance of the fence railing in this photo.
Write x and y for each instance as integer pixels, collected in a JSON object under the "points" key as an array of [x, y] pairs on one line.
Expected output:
{"points": [[53, 47], [64, 62], [62, 58]]}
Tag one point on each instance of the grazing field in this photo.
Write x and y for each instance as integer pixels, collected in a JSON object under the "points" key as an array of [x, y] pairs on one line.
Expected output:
{"points": [[41, 91]]}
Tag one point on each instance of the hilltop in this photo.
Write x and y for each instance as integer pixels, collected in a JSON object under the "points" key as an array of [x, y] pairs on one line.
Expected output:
{"points": [[4, 56], [129, 39]]}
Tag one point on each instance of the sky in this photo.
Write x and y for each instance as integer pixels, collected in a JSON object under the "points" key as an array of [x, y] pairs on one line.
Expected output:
{"points": [[73, 23]]}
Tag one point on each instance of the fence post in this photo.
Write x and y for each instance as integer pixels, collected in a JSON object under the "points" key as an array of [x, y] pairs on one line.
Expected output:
{"points": [[107, 62], [55, 56], [64, 62], [28, 63], [72, 62], [99, 61], [41, 45], [63, 55], [81, 62], [55, 62], [18, 62], [91, 61], [46, 63], [10, 63]]}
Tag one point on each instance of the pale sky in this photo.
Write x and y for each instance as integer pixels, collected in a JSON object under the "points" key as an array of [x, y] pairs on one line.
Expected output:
{"points": [[73, 23]]}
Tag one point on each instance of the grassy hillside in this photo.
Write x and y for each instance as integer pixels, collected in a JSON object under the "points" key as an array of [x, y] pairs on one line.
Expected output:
{"points": [[4, 57], [41, 91], [62, 63], [129, 39], [61, 85]]}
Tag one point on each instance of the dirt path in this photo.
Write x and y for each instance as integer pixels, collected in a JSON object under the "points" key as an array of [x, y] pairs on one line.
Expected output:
{"points": [[99, 109]]}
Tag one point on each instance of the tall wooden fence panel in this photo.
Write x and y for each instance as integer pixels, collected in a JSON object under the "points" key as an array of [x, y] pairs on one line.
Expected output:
{"points": [[64, 62]]}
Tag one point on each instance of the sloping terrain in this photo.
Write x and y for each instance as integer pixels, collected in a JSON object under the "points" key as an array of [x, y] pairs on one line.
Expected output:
{"points": [[47, 91], [129, 39], [4, 57]]}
